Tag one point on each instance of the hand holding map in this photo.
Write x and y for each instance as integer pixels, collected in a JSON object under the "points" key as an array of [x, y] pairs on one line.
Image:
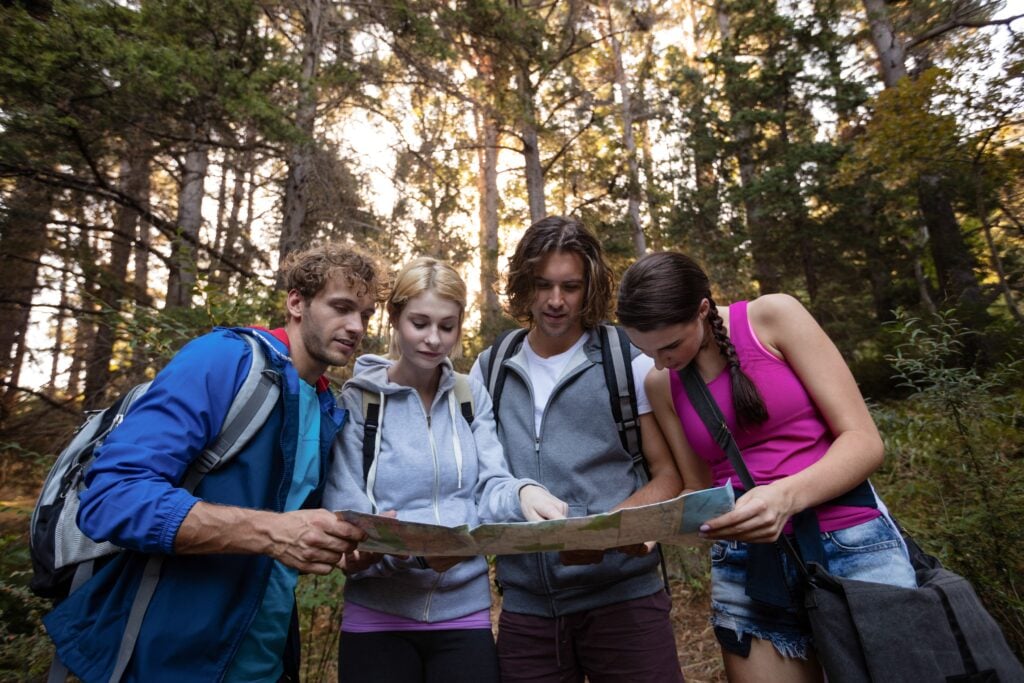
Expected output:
{"points": [[674, 521]]}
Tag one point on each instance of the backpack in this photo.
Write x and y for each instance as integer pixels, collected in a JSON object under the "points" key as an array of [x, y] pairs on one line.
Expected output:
{"points": [[63, 557], [371, 423], [617, 361]]}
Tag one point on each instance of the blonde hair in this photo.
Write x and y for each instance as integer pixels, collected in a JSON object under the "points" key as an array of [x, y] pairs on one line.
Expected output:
{"points": [[421, 275]]}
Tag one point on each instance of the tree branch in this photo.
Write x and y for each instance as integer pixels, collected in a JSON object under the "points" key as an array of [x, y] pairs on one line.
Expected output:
{"points": [[46, 399], [953, 24]]}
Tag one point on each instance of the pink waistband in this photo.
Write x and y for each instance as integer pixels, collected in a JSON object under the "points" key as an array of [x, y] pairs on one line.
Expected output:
{"points": [[359, 619]]}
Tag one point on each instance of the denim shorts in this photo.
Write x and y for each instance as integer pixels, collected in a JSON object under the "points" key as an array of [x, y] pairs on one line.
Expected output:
{"points": [[871, 551]]}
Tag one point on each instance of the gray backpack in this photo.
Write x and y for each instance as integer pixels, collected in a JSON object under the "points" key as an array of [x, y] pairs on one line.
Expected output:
{"points": [[63, 558]]}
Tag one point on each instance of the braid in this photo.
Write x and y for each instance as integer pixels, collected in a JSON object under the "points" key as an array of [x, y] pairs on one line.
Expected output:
{"points": [[746, 399], [722, 337]]}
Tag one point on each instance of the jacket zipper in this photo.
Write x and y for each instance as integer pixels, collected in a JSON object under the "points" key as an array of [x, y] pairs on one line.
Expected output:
{"points": [[559, 386], [434, 502]]}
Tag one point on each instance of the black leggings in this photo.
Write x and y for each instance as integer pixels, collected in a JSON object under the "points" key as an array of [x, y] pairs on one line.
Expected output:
{"points": [[456, 656]]}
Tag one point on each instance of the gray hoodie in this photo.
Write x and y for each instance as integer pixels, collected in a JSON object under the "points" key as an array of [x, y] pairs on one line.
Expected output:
{"points": [[432, 468], [580, 459]]}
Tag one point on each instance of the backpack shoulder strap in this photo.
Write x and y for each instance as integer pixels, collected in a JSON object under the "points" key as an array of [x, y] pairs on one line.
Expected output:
{"points": [[464, 395], [371, 429], [504, 347], [617, 360], [249, 410]]}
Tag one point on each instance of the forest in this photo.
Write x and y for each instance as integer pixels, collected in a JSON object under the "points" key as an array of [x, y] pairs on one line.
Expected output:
{"points": [[158, 159]]}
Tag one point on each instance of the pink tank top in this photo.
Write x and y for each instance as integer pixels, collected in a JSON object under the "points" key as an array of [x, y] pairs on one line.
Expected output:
{"points": [[794, 436]]}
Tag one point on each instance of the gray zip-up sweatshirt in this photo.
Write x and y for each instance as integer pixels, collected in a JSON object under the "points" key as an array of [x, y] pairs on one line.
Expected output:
{"points": [[418, 473], [579, 458]]}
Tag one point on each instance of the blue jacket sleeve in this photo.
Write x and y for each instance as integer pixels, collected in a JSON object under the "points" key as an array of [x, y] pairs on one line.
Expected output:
{"points": [[133, 497]]}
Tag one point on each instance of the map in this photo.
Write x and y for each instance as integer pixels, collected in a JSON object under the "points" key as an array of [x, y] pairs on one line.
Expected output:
{"points": [[673, 521]]}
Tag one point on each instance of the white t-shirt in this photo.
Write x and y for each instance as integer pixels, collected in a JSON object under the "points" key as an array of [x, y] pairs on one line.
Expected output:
{"points": [[545, 372]]}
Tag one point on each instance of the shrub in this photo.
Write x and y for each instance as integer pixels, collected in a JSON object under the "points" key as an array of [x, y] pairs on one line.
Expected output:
{"points": [[954, 471]]}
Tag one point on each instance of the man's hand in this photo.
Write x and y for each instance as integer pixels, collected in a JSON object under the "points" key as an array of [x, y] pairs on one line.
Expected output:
{"points": [[311, 541], [538, 504]]}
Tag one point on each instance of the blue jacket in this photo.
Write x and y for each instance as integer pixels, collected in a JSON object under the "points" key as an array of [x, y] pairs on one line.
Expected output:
{"points": [[203, 604]]}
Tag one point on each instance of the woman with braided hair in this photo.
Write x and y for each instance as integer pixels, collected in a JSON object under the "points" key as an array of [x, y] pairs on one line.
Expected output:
{"points": [[805, 434]]}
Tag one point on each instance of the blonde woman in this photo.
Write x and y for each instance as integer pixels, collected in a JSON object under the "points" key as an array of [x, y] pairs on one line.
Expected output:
{"points": [[411, 619]]}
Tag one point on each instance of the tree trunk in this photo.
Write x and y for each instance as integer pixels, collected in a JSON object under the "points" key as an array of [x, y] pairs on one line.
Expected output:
{"points": [[702, 144], [879, 272], [133, 181], [997, 262], [232, 232], [953, 259], [892, 60], [487, 188], [531, 147], [628, 141], [954, 262], [182, 268], [58, 329], [294, 227], [923, 285], [22, 242]]}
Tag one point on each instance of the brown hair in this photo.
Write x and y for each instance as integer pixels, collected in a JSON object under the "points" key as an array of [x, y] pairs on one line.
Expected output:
{"points": [[309, 270], [566, 235], [667, 289]]}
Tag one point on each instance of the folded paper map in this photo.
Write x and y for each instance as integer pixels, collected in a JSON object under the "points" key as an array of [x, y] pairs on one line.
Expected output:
{"points": [[673, 521]]}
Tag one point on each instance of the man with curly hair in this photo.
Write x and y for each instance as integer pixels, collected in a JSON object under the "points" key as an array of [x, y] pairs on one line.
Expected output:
{"points": [[603, 615], [223, 607]]}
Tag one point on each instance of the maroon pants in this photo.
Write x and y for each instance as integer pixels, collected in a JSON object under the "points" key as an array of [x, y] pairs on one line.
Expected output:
{"points": [[627, 641]]}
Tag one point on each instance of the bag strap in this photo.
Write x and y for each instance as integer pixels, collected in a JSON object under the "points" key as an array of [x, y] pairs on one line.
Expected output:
{"points": [[617, 362], [711, 415], [504, 347], [249, 410], [464, 396], [371, 429], [371, 418]]}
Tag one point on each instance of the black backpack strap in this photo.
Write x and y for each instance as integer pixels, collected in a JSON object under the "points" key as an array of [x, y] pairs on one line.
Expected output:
{"points": [[371, 427], [504, 347], [765, 576], [617, 360]]}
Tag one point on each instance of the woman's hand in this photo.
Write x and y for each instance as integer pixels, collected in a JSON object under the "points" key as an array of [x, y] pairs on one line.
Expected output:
{"points": [[537, 504], [759, 516]]}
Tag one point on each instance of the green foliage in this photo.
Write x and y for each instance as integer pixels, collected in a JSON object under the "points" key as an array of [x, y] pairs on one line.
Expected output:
{"points": [[908, 134], [160, 333], [320, 603], [955, 469], [26, 650]]}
